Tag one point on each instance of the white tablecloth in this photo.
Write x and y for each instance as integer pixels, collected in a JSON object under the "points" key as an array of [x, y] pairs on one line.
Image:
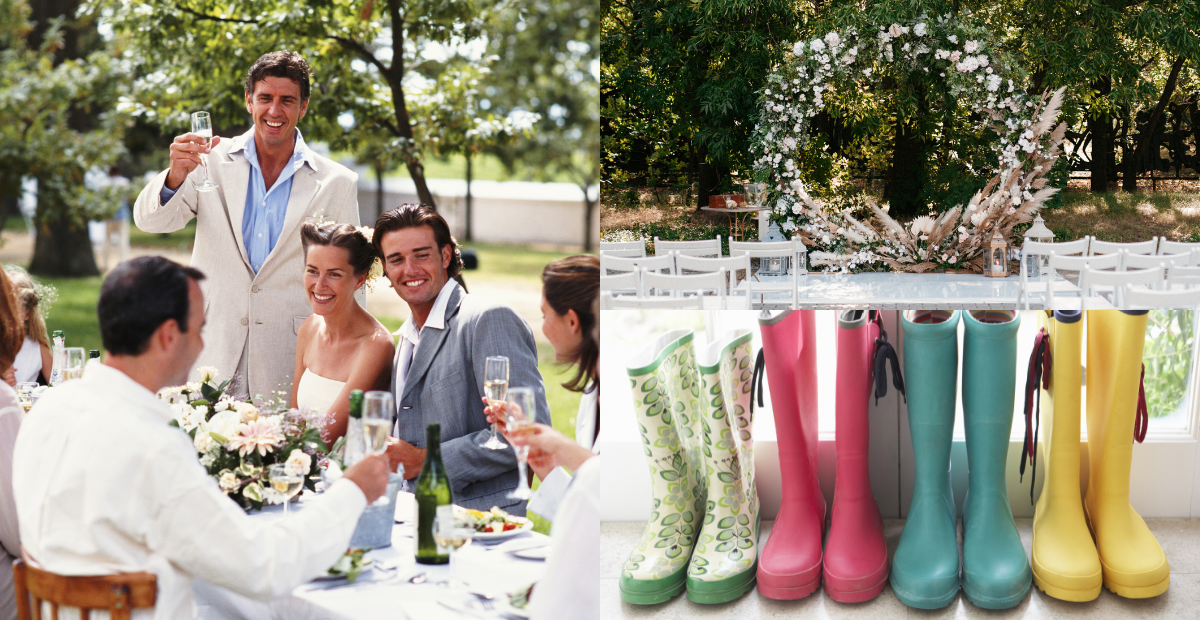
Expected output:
{"points": [[372, 597]]}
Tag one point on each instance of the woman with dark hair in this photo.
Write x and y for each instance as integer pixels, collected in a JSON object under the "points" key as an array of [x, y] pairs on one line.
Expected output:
{"points": [[12, 334], [340, 347]]}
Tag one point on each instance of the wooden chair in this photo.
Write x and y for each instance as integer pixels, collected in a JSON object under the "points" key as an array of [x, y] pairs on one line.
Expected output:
{"points": [[117, 594]]}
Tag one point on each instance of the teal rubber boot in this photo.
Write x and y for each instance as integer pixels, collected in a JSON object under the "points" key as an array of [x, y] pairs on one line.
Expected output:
{"points": [[666, 389], [925, 568], [725, 561], [995, 571]]}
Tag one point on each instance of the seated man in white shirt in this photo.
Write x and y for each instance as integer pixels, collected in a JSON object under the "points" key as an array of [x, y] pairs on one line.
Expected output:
{"points": [[104, 484]]}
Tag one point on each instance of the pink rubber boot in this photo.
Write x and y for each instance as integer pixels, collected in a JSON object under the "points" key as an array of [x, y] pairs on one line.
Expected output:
{"points": [[856, 566], [790, 564]]}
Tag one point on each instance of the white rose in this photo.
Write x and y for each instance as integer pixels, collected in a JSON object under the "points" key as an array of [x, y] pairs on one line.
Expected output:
{"points": [[207, 373], [224, 424], [798, 48], [895, 30], [919, 29], [817, 45], [953, 39], [246, 412], [203, 441], [832, 39], [298, 463], [954, 56], [970, 47], [789, 143], [228, 480]]}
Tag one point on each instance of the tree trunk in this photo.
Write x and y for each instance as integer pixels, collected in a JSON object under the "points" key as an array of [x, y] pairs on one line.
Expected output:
{"points": [[395, 77], [63, 248], [706, 178], [378, 191], [589, 207], [1146, 137], [1100, 126], [906, 178], [467, 235]]}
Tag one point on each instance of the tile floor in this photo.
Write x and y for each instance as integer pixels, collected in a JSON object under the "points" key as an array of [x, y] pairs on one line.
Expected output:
{"points": [[1180, 539]]}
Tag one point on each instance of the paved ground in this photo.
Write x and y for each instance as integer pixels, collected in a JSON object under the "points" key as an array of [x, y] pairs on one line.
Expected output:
{"points": [[523, 297]]}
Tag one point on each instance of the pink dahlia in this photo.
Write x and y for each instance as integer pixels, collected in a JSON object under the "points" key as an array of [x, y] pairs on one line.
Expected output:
{"points": [[261, 434]]}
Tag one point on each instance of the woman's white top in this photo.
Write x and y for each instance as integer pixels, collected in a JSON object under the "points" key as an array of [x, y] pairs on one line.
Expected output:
{"points": [[11, 415], [316, 392], [28, 362], [550, 492], [568, 589]]}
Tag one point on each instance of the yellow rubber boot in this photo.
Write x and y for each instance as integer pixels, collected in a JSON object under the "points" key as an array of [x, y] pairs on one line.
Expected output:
{"points": [[1134, 563], [1064, 559]]}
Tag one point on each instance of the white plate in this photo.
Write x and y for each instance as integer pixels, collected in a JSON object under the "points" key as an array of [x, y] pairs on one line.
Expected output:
{"points": [[526, 526], [537, 553], [367, 566]]}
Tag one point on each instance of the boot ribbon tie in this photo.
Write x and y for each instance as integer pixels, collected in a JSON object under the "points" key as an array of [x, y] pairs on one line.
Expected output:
{"points": [[1141, 420], [884, 353], [757, 380], [1038, 376]]}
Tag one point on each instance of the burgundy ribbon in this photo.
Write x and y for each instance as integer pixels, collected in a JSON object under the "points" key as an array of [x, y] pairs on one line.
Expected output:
{"points": [[1039, 373], [1141, 419]]}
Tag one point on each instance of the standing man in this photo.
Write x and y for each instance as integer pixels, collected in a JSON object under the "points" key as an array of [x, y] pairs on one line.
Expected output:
{"points": [[247, 230], [441, 356]]}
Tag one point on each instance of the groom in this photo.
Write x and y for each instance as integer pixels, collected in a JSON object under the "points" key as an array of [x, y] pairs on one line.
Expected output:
{"points": [[441, 356], [247, 230]]}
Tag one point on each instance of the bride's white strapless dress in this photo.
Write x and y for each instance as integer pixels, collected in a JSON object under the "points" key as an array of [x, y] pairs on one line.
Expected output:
{"points": [[316, 392]]}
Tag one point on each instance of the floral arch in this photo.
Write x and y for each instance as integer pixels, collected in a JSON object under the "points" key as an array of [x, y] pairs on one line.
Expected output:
{"points": [[966, 58]]}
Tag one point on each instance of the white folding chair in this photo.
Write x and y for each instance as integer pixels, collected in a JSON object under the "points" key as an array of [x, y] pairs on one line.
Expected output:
{"points": [[1166, 246], [1039, 249], [1166, 261], [731, 264], [620, 264], [1183, 277], [703, 247], [1058, 263], [622, 284], [1097, 247], [655, 284], [694, 302], [1118, 280], [628, 249], [794, 251], [1142, 298]]}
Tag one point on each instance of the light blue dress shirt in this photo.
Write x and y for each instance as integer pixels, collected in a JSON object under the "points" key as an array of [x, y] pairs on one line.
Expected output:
{"points": [[265, 209]]}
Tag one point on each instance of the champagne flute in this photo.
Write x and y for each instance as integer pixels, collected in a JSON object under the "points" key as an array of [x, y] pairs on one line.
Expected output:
{"points": [[284, 483], [25, 394], [452, 534], [73, 366], [202, 126], [520, 414], [377, 427], [495, 388]]}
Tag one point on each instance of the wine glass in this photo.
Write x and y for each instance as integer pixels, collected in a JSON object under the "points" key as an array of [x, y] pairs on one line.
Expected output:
{"points": [[25, 394], [202, 126], [495, 388], [285, 483], [73, 366], [520, 414], [452, 534], [377, 427]]}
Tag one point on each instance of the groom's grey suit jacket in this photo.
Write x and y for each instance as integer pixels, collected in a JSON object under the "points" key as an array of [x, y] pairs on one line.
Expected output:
{"points": [[445, 385]]}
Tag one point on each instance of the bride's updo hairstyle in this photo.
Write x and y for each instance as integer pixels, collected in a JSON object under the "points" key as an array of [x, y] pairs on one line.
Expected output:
{"points": [[343, 236]]}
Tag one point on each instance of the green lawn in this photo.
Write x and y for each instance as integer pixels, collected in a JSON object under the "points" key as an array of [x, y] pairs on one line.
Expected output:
{"points": [[1126, 216], [180, 240]]}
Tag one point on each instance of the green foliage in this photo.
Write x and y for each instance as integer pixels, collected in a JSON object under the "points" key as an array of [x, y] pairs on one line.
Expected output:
{"points": [[1170, 338], [58, 119]]}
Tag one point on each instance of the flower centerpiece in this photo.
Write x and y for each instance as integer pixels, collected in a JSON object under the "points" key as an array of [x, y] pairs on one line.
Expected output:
{"points": [[238, 441]]}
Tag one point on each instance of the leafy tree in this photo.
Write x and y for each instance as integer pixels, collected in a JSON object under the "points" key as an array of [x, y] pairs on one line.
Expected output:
{"points": [[549, 56], [373, 63], [58, 122]]}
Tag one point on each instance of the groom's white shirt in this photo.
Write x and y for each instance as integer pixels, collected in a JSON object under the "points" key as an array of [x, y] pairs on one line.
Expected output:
{"points": [[104, 485], [410, 337]]}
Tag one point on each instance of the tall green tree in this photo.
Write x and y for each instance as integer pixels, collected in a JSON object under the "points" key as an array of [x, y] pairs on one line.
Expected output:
{"points": [[372, 59], [59, 87], [548, 63]]}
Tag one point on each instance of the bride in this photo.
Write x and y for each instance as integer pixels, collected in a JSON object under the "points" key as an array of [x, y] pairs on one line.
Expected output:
{"points": [[340, 347]]}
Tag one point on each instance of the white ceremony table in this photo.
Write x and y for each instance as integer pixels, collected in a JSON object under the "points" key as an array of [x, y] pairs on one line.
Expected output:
{"points": [[382, 595]]}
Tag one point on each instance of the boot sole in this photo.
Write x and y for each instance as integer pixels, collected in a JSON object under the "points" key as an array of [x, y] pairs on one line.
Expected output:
{"points": [[723, 591], [641, 594], [790, 593], [994, 603], [1065, 594], [925, 603], [855, 596], [1138, 591]]}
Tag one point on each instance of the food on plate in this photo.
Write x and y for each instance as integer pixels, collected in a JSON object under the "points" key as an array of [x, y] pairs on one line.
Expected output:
{"points": [[350, 564], [490, 521]]}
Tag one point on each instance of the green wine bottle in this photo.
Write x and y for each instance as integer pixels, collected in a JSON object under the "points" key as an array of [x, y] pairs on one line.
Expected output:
{"points": [[432, 490], [353, 451]]}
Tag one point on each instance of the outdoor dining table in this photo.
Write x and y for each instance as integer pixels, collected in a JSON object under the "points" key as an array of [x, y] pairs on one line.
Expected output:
{"points": [[381, 595], [917, 291]]}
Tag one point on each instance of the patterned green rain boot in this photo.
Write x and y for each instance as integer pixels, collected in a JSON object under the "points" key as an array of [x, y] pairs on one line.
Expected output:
{"points": [[725, 561], [666, 388]]}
